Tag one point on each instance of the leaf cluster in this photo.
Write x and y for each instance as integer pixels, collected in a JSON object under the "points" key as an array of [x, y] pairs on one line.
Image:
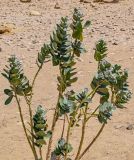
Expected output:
{"points": [[18, 81], [62, 147], [40, 127], [111, 80]]}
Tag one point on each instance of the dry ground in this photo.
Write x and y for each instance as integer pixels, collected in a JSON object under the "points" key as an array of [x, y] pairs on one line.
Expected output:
{"points": [[114, 22]]}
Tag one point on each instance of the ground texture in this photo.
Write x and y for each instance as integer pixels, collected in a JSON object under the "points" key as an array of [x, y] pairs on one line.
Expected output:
{"points": [[113, 22]]}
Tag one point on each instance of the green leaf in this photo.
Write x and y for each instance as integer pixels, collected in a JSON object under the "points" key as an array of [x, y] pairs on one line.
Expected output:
{"points": [[5, 75], [105, 112], [41, 141], [103, 91], [100, 50], [16, 77], [78, 32], [87, 24], [9, 99], [40, 126], [8, 92], [40, 133], [49, 134], [62, 147], [73, 80]]}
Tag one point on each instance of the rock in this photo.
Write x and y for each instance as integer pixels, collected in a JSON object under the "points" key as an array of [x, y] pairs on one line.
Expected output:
{"points": [[35, 13], [34, 41], [84, 1], [130, 127], [0, 49], [4, 29], [122, 29], [25, 1], [115, 1], [114, 43], [57, 6]]}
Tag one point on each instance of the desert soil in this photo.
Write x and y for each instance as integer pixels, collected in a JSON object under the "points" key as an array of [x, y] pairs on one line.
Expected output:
{"points": [[113, 22]]}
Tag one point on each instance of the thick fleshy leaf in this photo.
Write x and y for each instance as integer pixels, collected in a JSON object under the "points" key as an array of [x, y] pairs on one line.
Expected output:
{"points": [[9, 99]]}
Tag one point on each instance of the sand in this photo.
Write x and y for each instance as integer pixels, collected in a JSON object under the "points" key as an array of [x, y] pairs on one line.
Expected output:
{"points": [[113, 22]]}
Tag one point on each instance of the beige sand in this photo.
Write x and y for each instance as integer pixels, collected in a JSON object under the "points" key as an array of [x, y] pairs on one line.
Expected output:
{"points": [[114, 22]]}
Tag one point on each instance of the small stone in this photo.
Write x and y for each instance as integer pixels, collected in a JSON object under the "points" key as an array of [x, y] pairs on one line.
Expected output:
{"points": [[115, 1], [115, 43], [84, 1], [93, 5], [34, 41], [0, 49], [35, 13], [57, 6], [130, 127], [4, 29], [122, 29], [25, 1]]}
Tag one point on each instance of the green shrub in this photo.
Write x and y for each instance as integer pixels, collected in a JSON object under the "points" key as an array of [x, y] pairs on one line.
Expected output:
{"points": [[110, 83]]}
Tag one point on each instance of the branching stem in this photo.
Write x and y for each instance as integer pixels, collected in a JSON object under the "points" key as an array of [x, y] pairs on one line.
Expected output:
{"points": [[63, 128], [89, 146], [82, 134], [29, 101], [24, 127], [55, 118]]}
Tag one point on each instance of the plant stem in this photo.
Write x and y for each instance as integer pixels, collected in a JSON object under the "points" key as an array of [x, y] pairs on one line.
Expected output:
{"points": [[82, 134], [40, 150], [24, 127], [89, 146], [28, 101], [84, 123], [83, 131], [31, 122], [92, 113], [55, 118], [101, 129], [63, 129], [67, 138]]}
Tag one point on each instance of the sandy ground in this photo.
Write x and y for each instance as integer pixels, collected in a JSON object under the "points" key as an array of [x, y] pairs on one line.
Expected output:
{"points": [[114, 22]]}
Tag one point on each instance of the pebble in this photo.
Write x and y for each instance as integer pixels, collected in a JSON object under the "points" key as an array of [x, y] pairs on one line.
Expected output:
{"points": [[4, 29], [130, 127], [25, 1], [57, 6], [34, 41], [122, 29], [115, 43], [35, 13]]}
